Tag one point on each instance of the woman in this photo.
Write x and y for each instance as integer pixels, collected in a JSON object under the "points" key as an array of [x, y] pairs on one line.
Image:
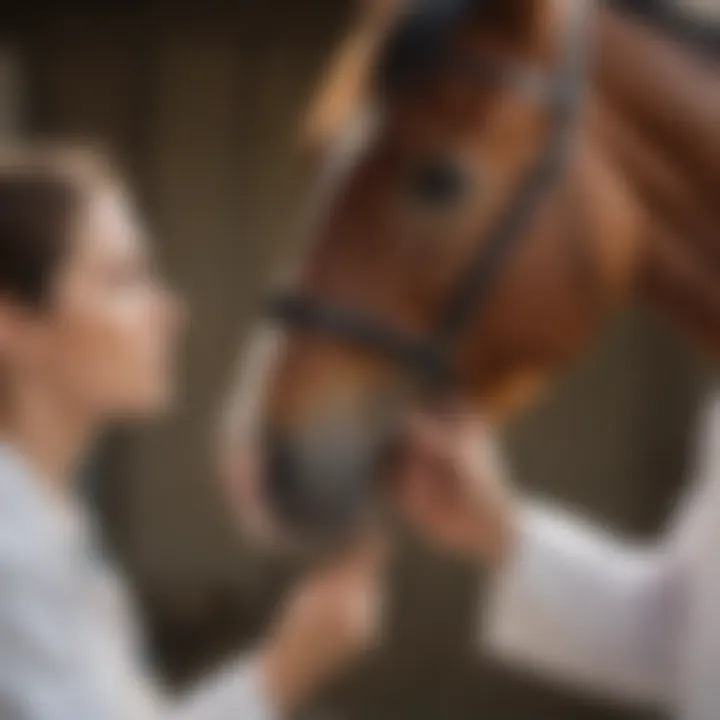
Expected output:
{"points": [[87, 337]]}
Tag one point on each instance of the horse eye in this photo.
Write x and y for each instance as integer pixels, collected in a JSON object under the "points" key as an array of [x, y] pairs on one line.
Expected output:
{"points": [[438, 182]]}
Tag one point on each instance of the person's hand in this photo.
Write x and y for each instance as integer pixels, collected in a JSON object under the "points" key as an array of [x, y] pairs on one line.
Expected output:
{"points": [[451, 484], [332, 620]]}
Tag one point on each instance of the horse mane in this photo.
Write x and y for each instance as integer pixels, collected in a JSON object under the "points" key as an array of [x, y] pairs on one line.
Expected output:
{"points": [[422, 36], [701, 35]]}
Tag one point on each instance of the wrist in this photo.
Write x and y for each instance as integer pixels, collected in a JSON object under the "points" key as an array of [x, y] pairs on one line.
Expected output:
{"points": [[287, 678], [497, 547], [277, 681], [260, 700], [508, 537]]}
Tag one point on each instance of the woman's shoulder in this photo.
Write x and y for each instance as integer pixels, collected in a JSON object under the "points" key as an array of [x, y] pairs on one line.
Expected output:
{"points": [[28, 540]]}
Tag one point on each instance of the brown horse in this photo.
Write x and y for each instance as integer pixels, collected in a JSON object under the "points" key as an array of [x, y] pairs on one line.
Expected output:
{"points": [[631, 214]]}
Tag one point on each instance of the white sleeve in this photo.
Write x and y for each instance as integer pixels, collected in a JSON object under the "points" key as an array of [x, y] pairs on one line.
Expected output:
{"points": [[57, 664], [578, 606], [234, 693]]}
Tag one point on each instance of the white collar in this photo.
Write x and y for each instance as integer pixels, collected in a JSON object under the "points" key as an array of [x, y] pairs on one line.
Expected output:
{"points": [[25, 494]]}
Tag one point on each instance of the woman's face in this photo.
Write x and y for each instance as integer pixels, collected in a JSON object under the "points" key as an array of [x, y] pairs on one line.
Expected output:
{"points": [[107, 340]]}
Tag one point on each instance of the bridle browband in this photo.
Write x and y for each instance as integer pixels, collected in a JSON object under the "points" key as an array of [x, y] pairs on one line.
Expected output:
{"points": [[430, 356]]}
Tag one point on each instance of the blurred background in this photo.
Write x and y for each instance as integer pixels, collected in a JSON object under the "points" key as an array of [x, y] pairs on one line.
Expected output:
{"points": [[200, 102]]}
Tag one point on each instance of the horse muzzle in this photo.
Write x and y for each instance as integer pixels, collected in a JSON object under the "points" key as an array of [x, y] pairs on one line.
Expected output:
{"points": [[314, 488]]}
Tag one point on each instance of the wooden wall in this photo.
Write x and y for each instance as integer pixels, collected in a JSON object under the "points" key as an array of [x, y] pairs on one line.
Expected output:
{"points": [[200, 104]]}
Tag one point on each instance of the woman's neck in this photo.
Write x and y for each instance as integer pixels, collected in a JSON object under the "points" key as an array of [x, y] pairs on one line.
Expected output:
{"points": [[52, 434]]}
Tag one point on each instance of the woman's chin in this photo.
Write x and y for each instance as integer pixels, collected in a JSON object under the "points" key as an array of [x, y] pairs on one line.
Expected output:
{"points": [[146, 407]]}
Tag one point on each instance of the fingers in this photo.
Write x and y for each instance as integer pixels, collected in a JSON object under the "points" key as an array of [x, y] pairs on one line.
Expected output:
{"points": [[433, 450], [363, 561], [347, 598], [334, 618], [429, 434], [443, 429]]}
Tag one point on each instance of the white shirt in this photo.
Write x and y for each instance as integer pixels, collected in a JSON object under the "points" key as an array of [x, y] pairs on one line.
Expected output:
{"points": [[640, 624], [69, 644]]}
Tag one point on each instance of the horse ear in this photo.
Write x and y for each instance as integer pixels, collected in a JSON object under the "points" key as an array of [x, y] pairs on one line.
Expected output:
{"points": [[523, 13], [530, 19], [418, 41]]}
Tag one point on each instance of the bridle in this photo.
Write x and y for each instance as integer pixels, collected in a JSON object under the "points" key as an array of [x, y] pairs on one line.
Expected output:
{"points": [[430, 356]]}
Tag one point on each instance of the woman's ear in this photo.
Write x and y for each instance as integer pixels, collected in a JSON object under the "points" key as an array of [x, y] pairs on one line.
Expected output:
{"points": [[16, 336], [8, 333], [4, 330], [8, 327]]}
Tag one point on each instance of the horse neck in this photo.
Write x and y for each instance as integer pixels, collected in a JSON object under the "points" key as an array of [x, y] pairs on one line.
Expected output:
{"points": [[654, 119], [659, 110], [647, 164]]}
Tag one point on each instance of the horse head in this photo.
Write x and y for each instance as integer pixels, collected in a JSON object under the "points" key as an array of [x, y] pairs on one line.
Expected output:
{"points": [[472, 239]]}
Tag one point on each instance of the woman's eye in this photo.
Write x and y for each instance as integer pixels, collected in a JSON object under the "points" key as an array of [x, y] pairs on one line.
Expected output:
{"points": [[438, 183]]}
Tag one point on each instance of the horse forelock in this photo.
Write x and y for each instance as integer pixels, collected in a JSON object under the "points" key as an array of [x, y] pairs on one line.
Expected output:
{"points": [[423, 35]]}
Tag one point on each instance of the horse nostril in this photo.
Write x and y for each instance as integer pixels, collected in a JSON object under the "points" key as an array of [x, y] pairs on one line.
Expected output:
{"points": [[284, 487]]}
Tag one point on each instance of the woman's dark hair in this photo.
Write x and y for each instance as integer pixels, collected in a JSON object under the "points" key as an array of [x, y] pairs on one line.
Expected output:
{"points": [[42, 192]]}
